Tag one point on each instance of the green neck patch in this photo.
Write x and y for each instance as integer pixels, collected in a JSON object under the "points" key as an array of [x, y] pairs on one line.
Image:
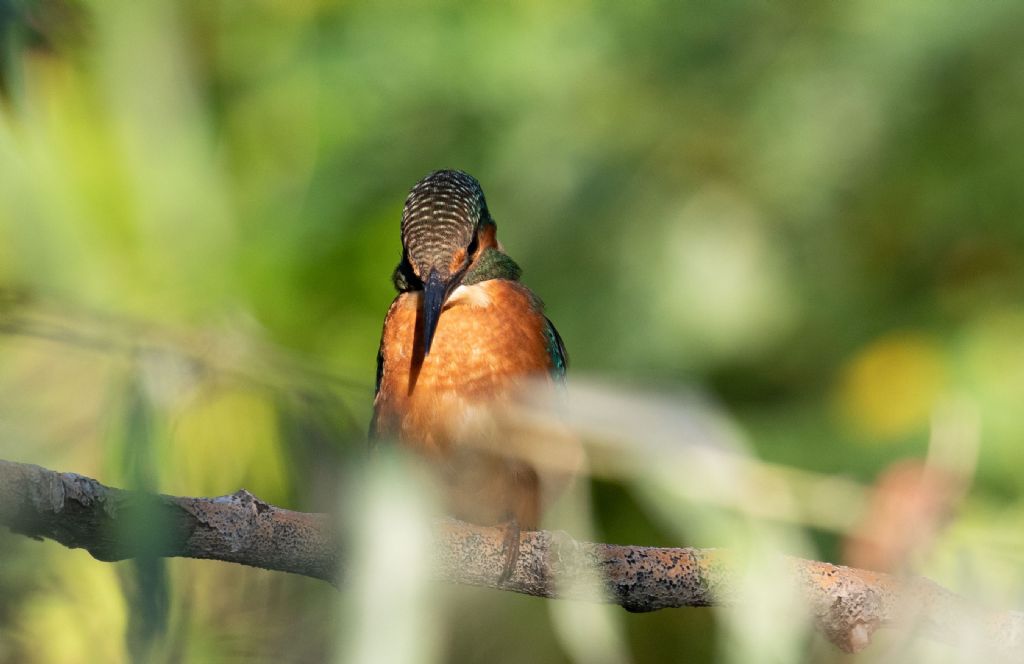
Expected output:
{"points": [[492, 264]]}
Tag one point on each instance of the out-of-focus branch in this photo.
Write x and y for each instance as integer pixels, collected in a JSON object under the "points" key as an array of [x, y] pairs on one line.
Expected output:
{"points": [[848, 604]]}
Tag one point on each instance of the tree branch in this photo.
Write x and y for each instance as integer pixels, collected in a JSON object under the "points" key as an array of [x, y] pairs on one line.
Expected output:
{"points": [[79, 512], [848, 604]]}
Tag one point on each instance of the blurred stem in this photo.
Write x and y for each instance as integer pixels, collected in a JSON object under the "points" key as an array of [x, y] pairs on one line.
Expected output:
{"points": [[69, 324]]}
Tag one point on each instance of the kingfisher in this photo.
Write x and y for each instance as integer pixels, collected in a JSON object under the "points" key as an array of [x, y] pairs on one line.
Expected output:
{"points": [[462, 338]]}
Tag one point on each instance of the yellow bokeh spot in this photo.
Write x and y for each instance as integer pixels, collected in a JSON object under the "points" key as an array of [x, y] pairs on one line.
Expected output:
{"points": [[889, 388], [224, 440], [79, 616]]}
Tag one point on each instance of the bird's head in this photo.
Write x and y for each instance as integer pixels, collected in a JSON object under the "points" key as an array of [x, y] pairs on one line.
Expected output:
{"points": [[445, 223]]}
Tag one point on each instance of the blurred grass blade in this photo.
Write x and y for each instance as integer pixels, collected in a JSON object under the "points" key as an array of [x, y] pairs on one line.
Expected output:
{"points": [[391, 611], [145, 580]]}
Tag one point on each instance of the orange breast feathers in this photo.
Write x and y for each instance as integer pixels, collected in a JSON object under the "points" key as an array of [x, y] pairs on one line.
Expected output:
{"points": [[453, 406]]}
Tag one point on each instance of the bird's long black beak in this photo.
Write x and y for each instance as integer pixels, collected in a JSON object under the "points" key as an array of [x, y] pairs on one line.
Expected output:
{"points": [[435, 292]]}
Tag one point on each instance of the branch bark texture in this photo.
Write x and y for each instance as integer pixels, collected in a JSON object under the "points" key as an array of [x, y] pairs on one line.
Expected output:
{"points": [[848, 604]]}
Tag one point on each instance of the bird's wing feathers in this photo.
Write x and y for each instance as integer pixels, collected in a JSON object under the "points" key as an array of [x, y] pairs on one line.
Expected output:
{"points": [[557, 352], [374, 428]]}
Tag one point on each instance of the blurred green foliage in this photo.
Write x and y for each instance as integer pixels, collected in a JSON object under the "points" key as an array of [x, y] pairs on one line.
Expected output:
{"points": [[812, 210]]}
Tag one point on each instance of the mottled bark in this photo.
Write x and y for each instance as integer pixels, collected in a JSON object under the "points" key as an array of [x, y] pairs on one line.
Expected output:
{"points": [[79, 512], [848, 604]]}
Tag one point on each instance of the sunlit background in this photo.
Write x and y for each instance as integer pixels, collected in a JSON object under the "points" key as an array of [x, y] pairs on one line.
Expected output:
{"points": [[794, 229]]}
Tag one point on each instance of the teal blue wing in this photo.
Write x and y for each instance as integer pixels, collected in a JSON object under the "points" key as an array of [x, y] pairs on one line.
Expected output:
{"points": [[557, 352]]}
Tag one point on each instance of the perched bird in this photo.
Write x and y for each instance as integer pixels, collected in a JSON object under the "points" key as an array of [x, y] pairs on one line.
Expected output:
{"points": [[463, 338]]}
